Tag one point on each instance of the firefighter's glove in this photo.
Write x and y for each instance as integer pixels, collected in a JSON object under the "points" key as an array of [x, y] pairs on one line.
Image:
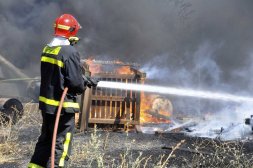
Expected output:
{"points": [[73, 40], [94, 82], [90, 82]]}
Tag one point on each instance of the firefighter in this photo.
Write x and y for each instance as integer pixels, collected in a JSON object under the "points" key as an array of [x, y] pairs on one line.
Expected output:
{"points": [[60, 68]]}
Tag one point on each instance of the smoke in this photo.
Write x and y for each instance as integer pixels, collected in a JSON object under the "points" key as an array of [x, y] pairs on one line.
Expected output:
{"points": [[199, 71], [197, 44], [25, 27], [191, 72], [227, 125]]}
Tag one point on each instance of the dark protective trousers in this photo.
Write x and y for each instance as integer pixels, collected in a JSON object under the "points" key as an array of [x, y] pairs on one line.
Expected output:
{"points": [[41, 157]]}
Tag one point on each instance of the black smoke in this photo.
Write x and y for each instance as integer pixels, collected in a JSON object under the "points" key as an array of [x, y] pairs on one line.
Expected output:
{"points": [[200, 44]]}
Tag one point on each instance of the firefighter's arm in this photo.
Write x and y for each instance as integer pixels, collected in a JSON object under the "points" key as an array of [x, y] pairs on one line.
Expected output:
{"points": [[73, 75]]}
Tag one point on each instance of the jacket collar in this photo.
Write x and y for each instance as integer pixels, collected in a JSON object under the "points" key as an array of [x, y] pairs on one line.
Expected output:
{"points": [[58, 41]]}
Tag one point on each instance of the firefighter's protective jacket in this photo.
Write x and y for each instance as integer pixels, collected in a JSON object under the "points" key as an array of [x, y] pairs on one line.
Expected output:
{"points": [[60, 68]]}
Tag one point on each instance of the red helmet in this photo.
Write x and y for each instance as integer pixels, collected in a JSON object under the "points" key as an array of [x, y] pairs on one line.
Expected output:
{"points": [[66, 26]]}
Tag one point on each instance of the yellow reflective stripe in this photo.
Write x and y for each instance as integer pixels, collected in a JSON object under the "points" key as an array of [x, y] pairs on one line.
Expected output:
{"points": [[56, 103], [60, 26], [51, 50], [49, 101], [52, 61], [33, 165], [70, 104], [65, 149]]}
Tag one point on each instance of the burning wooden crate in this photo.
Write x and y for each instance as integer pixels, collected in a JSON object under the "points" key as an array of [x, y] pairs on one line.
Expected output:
{"points": [[112, 106]]}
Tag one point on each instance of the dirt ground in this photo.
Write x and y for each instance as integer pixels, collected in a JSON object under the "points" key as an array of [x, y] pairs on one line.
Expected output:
{"points": [[100, 147], [112, 145]]}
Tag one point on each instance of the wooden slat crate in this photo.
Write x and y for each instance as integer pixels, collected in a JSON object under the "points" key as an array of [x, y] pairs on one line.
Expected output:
{"points": [[112, 106]]}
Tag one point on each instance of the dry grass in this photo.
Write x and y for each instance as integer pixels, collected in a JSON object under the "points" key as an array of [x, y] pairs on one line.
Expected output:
{"points": [[214, 153], [11, 147], [93, 154], [217, 154], [96, 151]]}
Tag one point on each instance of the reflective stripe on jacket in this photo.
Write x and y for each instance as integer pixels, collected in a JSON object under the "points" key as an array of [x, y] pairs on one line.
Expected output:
{"points": [[60, 68]]}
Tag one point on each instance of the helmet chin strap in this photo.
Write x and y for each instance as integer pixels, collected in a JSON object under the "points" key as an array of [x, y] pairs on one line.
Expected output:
{"points": [[73, 40]]}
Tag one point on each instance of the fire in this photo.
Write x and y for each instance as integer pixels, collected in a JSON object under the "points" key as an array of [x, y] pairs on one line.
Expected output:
{"points": [[117, 67], [124, 70], [155, 109], [94, 68]]}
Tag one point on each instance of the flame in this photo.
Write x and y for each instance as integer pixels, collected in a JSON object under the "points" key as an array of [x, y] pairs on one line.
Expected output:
{"points": [[145, 105], [98, 68], [124, 70], [155, 109], [94, 68]]}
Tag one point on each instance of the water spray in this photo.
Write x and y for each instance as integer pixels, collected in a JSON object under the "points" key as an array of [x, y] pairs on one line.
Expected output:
{"points": [[174, 91]]}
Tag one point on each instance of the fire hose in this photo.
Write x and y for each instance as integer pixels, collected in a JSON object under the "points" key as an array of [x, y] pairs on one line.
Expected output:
{"points": [[89, 82], [56, 126]]}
